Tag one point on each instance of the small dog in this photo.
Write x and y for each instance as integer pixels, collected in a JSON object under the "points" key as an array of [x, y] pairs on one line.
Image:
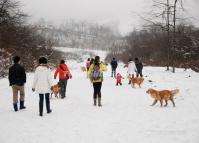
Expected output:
{"points": [[162, 95], [136, 80], [83, 68], [56, 90]]}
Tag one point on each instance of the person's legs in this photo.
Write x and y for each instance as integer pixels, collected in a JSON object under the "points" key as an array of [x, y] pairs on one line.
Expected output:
{"points": [[41, 100], [63, 83], [98, 88], [111, 72], [22, 97], [15, 97], [48, 103], [130, 76], [141, 74], [114, 73], [95, 93]]}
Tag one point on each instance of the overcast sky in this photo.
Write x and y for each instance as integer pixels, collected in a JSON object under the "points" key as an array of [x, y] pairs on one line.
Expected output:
{"points": [[101, 11]]}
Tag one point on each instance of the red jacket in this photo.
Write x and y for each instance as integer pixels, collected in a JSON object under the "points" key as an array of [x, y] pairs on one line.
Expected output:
{"points": [[119, 78], [63, 71]]}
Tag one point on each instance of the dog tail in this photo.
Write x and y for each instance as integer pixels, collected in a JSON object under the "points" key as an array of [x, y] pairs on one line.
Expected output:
{"points": [[174, 92]]}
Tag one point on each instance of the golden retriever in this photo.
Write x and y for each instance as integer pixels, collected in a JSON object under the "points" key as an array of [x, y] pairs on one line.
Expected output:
{"points": [[83, 69], [56, 90], [136, 80], [162, 95]]}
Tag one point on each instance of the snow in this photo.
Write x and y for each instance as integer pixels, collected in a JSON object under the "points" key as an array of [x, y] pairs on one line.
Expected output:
{"points": [[125, 117]]}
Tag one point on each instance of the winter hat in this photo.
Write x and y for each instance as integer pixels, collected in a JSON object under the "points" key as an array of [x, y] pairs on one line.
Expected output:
{"points": [[16, 59], [43, 60]]}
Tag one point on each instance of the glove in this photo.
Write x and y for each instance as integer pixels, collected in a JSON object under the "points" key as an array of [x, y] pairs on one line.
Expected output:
{"points": [[33, 89], [70, 76]]}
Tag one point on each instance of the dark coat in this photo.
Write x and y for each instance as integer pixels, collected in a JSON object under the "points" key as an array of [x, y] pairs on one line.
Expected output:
{"points": [[114, 64], [139, 66], [17, 75]]}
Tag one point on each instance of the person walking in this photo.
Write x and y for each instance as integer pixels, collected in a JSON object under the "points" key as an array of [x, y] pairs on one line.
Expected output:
{"points": [[139, 67], [131, 69], [113, 67], [96, 77], [87, 66], [64, 75], [42, 84], [17, 79]]}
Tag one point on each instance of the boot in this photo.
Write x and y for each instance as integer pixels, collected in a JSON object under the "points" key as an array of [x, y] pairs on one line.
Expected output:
{"points": [[15, 107], [99, 102], [95, 102], [22, 105]]}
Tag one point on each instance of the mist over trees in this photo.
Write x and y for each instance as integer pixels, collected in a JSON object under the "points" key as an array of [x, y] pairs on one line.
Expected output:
{"points": [[78, 34], [19, 38], [165, 39]]}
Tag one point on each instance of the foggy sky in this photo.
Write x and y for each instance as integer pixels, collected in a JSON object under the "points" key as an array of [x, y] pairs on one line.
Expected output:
{"points": [[101, 11]]}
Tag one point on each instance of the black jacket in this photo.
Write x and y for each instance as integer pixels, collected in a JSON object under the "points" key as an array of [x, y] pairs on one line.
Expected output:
{"points": [[114, 64], [17, 75], [139, 66]]}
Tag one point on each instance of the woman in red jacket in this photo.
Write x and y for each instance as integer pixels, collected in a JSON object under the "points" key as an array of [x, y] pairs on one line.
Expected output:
{"points": [[64, 75]]}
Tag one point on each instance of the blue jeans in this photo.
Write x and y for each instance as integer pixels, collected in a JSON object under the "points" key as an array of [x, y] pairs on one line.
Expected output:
{"points": [[63, 83]]}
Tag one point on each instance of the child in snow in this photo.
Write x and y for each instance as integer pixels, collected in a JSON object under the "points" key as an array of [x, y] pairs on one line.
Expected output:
{"points": [[119, 79]]}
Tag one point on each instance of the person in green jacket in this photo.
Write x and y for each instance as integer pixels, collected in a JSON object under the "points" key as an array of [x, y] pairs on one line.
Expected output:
{"points": [[96, 77]]}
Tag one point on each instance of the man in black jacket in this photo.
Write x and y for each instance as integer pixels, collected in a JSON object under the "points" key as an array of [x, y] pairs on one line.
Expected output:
{"points": [[113, 67], [139, 67], [17, 79]]}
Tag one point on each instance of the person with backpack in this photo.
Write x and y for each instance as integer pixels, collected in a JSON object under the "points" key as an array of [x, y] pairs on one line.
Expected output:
{"points": [[42, 84], [17, 79], [139, 67], [96, 77], [113, 67], [64, 75]]}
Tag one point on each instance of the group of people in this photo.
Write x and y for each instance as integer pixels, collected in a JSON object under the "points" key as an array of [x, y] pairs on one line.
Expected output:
{"points": [[133, 67], [42, 82]]}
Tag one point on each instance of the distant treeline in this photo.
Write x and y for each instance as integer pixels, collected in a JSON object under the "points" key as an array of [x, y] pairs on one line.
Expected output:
{"points": [[79, 34], [19, 38], [151, 46]]}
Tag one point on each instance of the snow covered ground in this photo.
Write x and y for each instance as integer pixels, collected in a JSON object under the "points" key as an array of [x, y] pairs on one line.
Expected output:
{"points": [[125, 117]]}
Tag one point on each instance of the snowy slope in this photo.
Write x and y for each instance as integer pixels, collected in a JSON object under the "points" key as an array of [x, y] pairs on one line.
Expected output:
{"points": [[125, 117]]}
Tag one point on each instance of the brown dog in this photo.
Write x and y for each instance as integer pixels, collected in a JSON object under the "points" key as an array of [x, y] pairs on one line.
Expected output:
{"points": [[56, 90], [162, 95], [136, 80]]}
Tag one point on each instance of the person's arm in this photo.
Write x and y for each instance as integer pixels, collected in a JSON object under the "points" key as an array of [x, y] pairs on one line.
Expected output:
{"points": [[49, 78], [56, 72], [90, 71], [35, 80], [24, 74], [141, 66], [68, 72], [10, 76], [116, 64]]}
